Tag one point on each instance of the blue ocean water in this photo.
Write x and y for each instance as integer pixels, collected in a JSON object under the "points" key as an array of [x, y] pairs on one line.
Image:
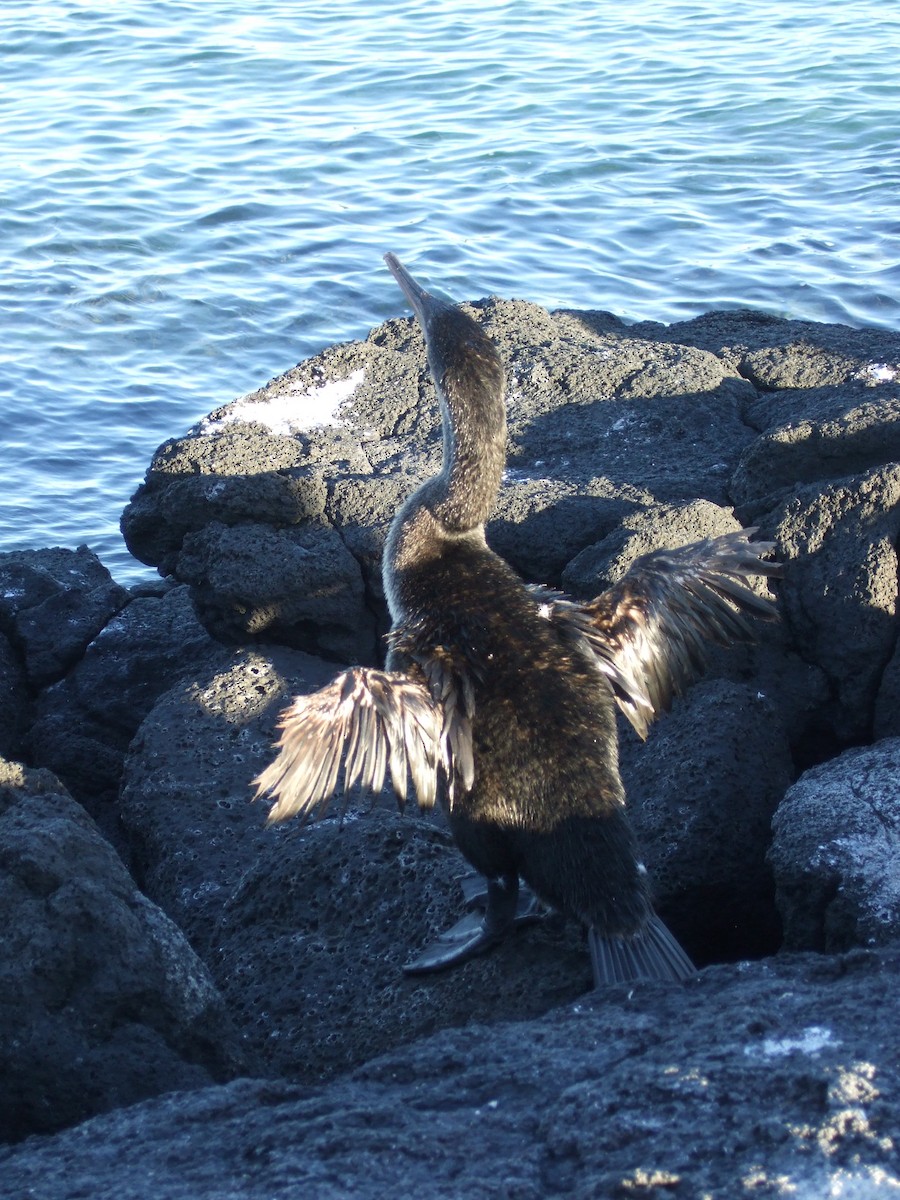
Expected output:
{"points": [[197, 194]]}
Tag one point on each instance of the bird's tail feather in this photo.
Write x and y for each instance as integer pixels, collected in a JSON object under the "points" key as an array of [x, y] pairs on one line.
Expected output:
{"points": [[653, 953]]}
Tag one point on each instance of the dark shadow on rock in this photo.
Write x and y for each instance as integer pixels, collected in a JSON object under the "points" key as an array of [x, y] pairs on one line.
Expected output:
{"points": [[15, 701], [701, 792], [538, 534], [678, 446], [299, 586], [186, 798]]}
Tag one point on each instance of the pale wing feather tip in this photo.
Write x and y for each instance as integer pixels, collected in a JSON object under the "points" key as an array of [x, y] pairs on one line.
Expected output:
{"points": [[372, 723]]}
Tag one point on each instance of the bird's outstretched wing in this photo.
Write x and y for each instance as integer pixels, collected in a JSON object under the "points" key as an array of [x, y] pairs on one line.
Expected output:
{"points": [[651, 633], [370, 722]]}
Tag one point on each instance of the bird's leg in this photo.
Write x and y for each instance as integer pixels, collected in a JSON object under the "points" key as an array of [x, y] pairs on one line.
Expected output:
{"points": [[529, 909], [498, 907]]}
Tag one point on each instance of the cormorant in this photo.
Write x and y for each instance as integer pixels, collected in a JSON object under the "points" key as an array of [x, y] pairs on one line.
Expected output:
{"points": [[499, 697]]}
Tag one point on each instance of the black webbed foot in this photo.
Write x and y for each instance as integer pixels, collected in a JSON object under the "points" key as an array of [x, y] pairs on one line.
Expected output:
{"points": [[497, 907]]}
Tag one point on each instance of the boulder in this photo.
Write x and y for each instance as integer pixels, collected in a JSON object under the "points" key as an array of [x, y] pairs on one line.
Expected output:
{"points": [[84, 723], [774, 354], [310, 948], [776, 1075], [773, 1078], [701, 792], [102, 1001], [300, 924], [300, 586], [656, 527], [274, 509], [834, 852], [52, 604], [839, 592], [622, 441], [815, 434], [600, 423], [186, 793]]}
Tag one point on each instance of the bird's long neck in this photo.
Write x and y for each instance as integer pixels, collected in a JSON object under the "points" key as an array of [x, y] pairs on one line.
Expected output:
{"points": [[455, 504], [471, 388]]}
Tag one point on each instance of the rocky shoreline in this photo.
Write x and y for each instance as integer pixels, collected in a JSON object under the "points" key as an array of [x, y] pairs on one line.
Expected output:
{"points": [[242, 985]]}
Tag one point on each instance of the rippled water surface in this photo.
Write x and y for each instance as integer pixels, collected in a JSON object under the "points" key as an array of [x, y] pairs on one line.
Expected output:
{"points": [[197, 195]]}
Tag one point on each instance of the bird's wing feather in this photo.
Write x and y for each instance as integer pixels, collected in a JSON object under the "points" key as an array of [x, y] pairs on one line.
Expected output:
{"points": [[372, 723], [651, 632], [446, 676], [452, 684]]}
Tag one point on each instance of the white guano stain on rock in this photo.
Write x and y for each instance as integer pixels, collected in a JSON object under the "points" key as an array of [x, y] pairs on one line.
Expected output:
{"points": [[293, 411], [809, 1041], [881, 372]]}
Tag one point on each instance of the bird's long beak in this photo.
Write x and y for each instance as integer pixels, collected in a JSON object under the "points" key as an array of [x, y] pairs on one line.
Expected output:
{"points": [[419, 299]]}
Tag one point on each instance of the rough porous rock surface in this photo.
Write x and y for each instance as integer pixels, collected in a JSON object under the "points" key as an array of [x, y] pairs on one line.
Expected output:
{"points": [[52, 604], [768, 1079], [102, 1001], [186, 793], [643, 530], [702, 790], [312, 967], [839, 593], [83, 724], [773, 1078], [252, 579], [792, 423], [836, 851], [592, 421]]}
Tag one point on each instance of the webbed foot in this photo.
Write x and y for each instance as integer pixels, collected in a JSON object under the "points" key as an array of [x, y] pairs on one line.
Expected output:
{"points": [[498, 906]]}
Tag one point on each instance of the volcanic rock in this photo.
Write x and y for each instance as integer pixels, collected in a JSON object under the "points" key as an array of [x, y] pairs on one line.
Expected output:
{"points": [[102, 1001]]}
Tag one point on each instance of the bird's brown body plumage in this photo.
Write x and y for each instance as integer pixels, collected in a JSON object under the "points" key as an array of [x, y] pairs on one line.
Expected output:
{"points": [[546, 801]]}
